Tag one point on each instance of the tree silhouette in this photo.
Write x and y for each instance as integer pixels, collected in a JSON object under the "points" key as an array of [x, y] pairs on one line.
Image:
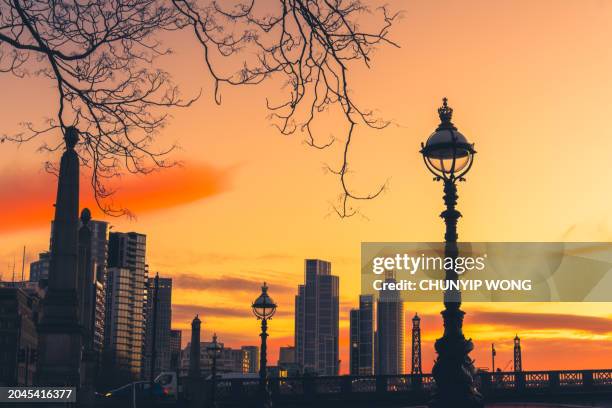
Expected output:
{"points": [[101, 56]]}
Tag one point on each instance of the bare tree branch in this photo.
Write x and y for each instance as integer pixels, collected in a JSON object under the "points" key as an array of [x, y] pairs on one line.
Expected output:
{"points": [[309, 45], [101, 54]]}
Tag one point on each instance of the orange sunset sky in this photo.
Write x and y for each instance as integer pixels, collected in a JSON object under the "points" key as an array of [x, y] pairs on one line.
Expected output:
{"points": [[531, 85]]}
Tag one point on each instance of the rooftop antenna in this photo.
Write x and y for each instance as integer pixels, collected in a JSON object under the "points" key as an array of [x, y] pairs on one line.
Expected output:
{"points": [[23, 266]]}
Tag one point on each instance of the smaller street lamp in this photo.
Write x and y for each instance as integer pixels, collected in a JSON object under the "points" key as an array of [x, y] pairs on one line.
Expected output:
{"points": [[214, 351], [263, 308]]}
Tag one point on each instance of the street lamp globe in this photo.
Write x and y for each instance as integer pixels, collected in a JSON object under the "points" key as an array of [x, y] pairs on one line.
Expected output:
{"points": [[264, 307], [447, 153], [215, 348]]}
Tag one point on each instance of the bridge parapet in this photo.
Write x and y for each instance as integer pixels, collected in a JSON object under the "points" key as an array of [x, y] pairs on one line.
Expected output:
{"points": [[416, 388]]}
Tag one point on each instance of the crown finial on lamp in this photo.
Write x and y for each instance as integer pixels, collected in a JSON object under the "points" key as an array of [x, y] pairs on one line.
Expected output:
{"points": [[445, 113]]}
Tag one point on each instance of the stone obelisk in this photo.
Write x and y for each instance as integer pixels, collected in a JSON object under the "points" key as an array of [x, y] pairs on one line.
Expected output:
{"points": [[195, 392], [194, 352], [60, 331]]}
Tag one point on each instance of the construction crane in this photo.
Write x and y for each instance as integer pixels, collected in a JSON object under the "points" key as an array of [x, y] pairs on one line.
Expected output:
{"points": [[507, 365]]}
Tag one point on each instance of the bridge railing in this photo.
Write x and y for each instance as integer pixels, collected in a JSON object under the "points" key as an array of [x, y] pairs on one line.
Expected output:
{"points": [[418, 386], [567, 380]]}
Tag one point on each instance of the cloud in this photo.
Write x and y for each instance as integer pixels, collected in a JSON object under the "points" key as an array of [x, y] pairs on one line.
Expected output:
{"points": [[225, 283], [543, 321], [183, 313], [28, 196], [194, 257], [191, 257]]}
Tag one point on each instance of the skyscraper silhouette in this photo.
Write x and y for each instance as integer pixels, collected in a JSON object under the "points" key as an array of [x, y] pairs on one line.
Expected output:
{"points": [[390, 331], [317, 319], [39, 269], [362, 336], [163, 349], [99, 255], [354, 342], [87, 295], [125, 304], [175, 349], [366, 334]]}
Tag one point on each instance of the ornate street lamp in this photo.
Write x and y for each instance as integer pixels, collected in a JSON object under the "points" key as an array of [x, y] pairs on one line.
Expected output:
{"points": [[214, 350], [449, 156], [263, 308]]}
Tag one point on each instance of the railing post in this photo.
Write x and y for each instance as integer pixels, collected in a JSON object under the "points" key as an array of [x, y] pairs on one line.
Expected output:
{"points": [[587, 379], [519, 380], [381, 384], [485, 382], [346, 385], [273, 383], [416, 382], [553, 380], [309, 388], [236, 387]]}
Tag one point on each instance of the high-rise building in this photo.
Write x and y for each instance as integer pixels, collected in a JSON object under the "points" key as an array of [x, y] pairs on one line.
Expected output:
{"points": [[99, 255], [18, 353], [175, 349], [99, 247], [93, 244], [126, 299], [252, 358], [354, 342], [127, 250], [317, 319], [163, 353], [366, 334], [39, 269], [362, 337], [99, 317], [390, 332]]}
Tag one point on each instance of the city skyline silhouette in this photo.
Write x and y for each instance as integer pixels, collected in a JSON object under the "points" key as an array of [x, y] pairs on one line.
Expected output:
{"points": [[250, 205]]}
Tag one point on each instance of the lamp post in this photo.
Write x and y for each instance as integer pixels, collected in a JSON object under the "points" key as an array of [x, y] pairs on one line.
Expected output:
{"points": [[263, 308], [214, 351], [449, 156]]}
